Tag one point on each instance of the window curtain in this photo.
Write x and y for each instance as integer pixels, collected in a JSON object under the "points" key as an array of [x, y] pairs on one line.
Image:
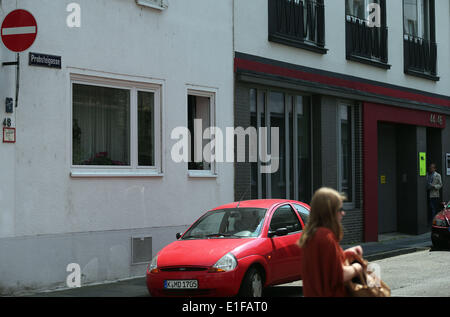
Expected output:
{"points": [[101, 125]]}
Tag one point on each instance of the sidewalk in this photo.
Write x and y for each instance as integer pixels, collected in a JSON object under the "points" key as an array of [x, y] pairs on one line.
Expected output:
{"points": [[389, 245], [394, 244]]}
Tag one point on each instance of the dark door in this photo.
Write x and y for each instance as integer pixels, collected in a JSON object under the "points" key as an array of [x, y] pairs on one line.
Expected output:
{"points": [[387, 178]]}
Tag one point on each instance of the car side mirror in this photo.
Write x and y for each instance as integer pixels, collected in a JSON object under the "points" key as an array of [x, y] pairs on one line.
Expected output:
{"points": [[178, 235], [279, 232]]}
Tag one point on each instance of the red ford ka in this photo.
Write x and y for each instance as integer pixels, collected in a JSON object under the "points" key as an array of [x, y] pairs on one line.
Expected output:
{"points": [[235, 249], [440, 229]]}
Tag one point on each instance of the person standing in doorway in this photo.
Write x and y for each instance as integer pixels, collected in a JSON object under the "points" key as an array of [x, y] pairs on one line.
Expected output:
{"points": [[323, 267], [434, 184]]}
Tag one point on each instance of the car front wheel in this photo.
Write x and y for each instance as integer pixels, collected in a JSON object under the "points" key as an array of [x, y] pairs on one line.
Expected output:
{"points": [[252, 284]]}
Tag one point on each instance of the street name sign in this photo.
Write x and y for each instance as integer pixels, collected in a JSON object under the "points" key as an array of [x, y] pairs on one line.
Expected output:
{"points": [[44, 60]]}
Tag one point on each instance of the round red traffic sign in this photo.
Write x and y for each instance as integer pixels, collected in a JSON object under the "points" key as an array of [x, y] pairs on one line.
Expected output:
{"points": [[19, 30]]}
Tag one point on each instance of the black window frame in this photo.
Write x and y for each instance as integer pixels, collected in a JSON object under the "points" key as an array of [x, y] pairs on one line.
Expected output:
{"points": [[294, 213], [279, 33], [362, 43]]}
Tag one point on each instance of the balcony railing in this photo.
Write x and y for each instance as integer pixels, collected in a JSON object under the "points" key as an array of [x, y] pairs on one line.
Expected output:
{"points": [[365, 43], [299, 23], [420, 57]]}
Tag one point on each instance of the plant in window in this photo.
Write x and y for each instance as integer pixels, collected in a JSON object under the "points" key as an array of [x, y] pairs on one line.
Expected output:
{"points": [[102, 158]]}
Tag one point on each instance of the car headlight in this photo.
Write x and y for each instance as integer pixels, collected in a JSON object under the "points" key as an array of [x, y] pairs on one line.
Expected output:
{"points": [[227, 263], [153, 266]]}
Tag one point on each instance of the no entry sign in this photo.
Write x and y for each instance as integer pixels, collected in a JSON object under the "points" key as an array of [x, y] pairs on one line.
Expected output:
{"points": [[19, 30]]}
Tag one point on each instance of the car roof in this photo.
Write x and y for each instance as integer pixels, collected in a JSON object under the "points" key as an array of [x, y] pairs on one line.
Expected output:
{"points": [[259, 203]]}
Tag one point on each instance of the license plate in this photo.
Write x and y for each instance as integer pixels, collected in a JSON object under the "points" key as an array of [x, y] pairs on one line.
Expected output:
{"points": [[181, 284]]}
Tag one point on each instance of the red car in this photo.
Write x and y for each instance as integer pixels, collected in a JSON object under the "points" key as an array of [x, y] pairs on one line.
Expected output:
{"points": [[235, 249], [440, 229]]}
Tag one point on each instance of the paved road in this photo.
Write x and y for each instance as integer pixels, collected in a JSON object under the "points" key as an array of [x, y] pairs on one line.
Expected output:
{"points": [[424, 273]]}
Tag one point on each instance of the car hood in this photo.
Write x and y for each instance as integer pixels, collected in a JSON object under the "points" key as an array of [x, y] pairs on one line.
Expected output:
{"points": [[197, 252]]}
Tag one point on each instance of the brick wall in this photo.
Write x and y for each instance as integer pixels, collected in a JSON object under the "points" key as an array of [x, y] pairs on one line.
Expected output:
{"points": [[242, 184]]}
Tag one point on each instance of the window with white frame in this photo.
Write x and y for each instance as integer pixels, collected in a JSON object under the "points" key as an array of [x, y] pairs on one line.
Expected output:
{"points": [[201, 119], [345, 138], [115, 125]]}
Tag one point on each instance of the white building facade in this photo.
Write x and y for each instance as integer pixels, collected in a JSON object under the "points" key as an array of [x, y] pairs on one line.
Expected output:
{"points": [[90, 178]]}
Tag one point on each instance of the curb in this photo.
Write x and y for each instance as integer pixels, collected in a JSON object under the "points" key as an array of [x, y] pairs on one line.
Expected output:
{"points": [[392, 253]]}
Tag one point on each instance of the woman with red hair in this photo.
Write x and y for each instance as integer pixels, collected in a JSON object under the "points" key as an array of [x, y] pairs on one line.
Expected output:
{"points": [[323, 268]]}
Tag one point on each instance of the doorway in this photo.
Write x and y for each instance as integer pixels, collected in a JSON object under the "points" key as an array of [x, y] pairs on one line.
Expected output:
{"points": [[387, 178], [434, 155], [398, 179]]}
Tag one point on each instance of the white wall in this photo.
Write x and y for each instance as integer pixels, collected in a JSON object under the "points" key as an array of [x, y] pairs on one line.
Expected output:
{"points": [[189, 43], [46, 216], [251, 37]]}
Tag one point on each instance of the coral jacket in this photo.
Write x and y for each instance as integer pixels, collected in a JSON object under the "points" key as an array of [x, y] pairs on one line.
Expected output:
{"points": [[321, 266]]}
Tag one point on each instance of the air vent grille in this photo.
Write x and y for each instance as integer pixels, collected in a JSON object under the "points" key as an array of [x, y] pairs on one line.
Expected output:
{"points": [[141, 250]]}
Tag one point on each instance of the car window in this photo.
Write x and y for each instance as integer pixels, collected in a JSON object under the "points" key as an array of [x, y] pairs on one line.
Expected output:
{"points": [[233, 222], [209, 224], [285, 217], [303, 212]]}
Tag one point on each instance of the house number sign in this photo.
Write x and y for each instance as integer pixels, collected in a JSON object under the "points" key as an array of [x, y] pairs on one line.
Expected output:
{"points": [[436, 119]]}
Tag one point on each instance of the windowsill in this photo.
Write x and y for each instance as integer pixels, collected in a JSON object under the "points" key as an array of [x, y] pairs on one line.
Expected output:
{"points": [[421, 75], [279, 38], [201, 174], [368, 61], [104, 173]]}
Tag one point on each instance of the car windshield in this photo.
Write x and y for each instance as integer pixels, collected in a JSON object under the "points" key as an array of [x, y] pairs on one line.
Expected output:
{"points": [[228, 223]]}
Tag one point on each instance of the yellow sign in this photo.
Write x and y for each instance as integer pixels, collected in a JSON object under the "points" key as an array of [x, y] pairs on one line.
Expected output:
{"points": [[383, 179], [423, 164]]}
